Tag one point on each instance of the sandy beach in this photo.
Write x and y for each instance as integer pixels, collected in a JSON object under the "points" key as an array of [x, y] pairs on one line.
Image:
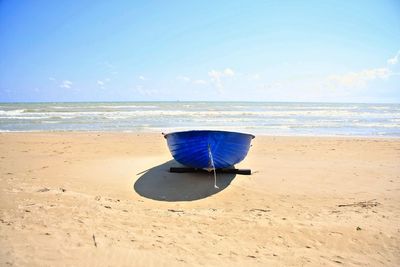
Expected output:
{"points": [[107, 199]]}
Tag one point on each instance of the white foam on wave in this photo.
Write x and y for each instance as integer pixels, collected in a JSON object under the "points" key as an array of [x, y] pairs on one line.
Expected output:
{"points": [[121, 114], [12, 112], [271, 118]]}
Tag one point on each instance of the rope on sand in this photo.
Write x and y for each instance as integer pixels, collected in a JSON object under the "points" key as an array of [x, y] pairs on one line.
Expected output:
{"points": [[213, 166]]}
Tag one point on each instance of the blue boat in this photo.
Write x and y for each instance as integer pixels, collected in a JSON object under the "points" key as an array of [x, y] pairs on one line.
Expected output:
{"points": [[208, 149]]}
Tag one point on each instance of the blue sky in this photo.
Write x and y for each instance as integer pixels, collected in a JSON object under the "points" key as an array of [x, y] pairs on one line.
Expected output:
{"points": [[331, 51]]}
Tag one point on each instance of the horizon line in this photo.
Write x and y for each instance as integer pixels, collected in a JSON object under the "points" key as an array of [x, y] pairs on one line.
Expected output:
{"points": [[193, 101]]}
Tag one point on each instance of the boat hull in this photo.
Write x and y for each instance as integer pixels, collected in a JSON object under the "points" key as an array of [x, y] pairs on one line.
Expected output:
{"points": [[192, 148]]}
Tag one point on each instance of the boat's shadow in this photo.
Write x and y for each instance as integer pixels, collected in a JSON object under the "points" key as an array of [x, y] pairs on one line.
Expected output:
{"points": [[159, 184]]}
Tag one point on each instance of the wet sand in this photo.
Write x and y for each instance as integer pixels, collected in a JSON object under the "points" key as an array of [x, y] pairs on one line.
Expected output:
{"points": [[107, 199]]}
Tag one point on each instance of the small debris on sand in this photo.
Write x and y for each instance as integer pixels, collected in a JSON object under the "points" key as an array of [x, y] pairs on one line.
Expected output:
{"points": [[43, 190], [262, 210], [94, 241], [362, 204], [172, 210]]}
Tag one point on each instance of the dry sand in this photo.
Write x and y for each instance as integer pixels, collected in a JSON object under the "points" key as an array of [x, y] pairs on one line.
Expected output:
{"points": [[107, 199]]}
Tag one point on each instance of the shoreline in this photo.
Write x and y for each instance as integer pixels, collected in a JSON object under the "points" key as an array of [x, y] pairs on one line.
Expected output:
{"points": [[108, 198], [160, 132]]}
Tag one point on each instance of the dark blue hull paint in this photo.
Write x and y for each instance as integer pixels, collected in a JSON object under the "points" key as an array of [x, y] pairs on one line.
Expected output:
{"points": [[191, 148]]}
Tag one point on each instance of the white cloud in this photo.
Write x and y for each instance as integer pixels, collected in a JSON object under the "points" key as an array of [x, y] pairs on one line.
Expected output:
{"points": [[102, 83], [187, 79], [254, 76], [229, 72], [66, 84], [271, 86], [395, 59], [361, 78], [141, 77], [201, 82], [183, 78], [52, 79], [108, 65], [146, 92], [358, 79], [216, 76]]}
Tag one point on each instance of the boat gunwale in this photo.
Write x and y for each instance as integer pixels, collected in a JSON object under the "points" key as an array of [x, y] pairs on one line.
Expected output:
{"points": [[217, 131]]}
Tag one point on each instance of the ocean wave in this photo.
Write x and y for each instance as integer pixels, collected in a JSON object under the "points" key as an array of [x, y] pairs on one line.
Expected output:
{"points": [[297, 118], [12, 112], [204, 113], [91, 106]]}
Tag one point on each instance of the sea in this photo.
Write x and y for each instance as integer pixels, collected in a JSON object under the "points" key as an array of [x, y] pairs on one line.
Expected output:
{"points": [[260, 118]]}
